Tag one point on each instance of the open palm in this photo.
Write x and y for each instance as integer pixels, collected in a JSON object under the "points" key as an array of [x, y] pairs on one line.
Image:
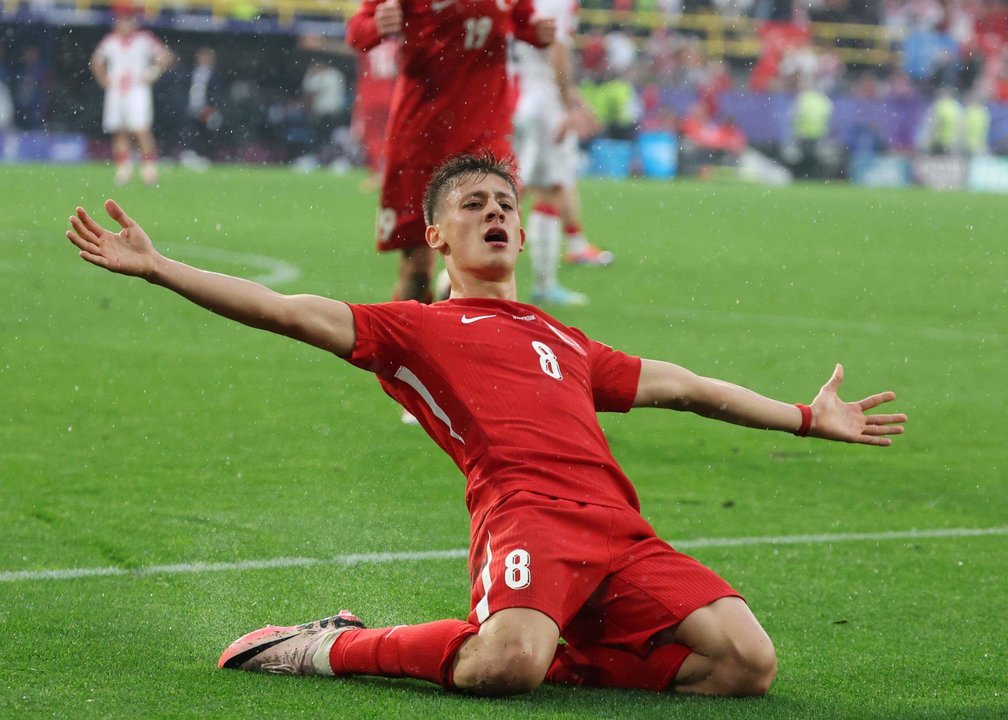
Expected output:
{"points": [[834, 419], [129, 251]]}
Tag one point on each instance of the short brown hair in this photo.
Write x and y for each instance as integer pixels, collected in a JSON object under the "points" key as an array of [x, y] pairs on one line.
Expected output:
{"points": [[483, 163]]}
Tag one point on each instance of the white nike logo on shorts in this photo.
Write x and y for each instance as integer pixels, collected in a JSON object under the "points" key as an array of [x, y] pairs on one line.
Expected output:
{"points": [[466, 320]]}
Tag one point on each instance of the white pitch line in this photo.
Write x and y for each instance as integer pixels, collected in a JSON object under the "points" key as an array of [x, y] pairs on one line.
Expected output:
{"points": [[388, 557], [745, 317], [278, 271]]}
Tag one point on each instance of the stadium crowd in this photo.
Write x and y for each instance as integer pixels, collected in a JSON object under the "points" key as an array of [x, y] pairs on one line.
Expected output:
{"points": [[940, 85]]}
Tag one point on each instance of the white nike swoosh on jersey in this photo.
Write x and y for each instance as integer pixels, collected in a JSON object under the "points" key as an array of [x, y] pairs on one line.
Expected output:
{"points": [[439, 6], [466, 320]]}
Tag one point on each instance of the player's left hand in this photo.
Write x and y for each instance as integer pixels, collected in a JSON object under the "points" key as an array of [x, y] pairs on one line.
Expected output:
{"points": [[834, 419], [545, 29]]}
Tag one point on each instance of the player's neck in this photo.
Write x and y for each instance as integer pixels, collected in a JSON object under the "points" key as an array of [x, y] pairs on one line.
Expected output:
{"points": [[471, 288]]}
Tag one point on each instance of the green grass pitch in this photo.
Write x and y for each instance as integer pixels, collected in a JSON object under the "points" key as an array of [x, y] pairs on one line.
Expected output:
{"points": [[138, 431]]}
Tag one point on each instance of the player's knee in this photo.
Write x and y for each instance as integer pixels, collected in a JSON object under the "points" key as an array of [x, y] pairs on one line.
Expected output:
{"points": [[512, 670], [749, 669]]}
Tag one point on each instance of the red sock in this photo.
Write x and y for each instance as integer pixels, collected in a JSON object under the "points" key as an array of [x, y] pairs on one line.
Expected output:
{"points": [[419, 651], [572, 228], [600, 666], [546, 209]]}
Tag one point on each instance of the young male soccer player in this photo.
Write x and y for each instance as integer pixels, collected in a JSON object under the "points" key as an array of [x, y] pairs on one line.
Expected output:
{"points": [[559, 548], [126, 64], [452, 95]]}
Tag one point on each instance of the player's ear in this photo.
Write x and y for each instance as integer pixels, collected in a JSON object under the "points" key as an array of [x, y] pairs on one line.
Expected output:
{"points": [[434, 237], [521, 237]]}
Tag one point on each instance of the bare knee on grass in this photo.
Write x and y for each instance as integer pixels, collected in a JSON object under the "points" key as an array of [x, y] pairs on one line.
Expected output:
{"points": [[509, 656], [732, 654]]}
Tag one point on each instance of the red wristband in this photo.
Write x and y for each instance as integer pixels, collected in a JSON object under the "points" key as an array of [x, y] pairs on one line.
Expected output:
{"points": [[806, 420]]}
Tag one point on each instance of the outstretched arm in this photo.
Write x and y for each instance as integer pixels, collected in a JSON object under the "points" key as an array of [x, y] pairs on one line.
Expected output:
{"points": [[666, 385], [318, 321]]}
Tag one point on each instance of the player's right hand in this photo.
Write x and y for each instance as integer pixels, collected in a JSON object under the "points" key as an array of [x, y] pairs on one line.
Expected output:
{"points": [[388, 18], [545, 29], [129, 251]]}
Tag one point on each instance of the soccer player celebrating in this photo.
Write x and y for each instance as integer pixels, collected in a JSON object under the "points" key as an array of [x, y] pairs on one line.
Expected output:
{"points": [[558, 548], [126, 64], [452, 95]]}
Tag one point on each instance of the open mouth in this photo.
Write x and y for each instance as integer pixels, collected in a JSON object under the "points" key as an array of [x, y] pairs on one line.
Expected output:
{"points": [[495, 235]]}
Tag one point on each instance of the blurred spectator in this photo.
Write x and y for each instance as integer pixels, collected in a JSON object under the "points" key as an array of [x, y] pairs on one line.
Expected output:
{"points": [[204, 117], [620, 49], [991, 27], [864, 133], [777, 40], [705, 142], [976, 125], [325, 94], [941, 132], [593, 51], [614, 102], [810, 124], [32, 90], [930, 57]]}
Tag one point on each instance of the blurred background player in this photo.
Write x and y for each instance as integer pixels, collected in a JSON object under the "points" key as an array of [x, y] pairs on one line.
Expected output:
{"points": [[548, 112], [126, 64], [324, 89], [452, 95], [372, 96], [376, 76]]}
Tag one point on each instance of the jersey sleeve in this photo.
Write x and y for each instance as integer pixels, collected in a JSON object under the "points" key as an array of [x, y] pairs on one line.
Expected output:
{"points": [[614, 377], [361, 31], [384, 334]]}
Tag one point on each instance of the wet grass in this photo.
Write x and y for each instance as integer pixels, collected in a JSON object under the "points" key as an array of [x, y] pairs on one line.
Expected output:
{"points": [[136, 431]]}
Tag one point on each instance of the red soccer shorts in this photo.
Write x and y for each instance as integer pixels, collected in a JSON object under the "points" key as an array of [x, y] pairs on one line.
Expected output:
{"points": [[400, 209], [400, 213], [600, 573]]}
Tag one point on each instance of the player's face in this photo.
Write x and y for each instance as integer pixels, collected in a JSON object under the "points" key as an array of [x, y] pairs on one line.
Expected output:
{"points": [[478, 227]]}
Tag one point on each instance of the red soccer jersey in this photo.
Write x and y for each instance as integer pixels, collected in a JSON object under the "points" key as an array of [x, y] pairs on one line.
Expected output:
{"points": [[376, 74], [452, 95], [507, 391]]}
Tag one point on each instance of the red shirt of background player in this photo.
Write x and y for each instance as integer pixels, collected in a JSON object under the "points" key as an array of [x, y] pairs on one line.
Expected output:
{"points": [[452, 94], [376, 75], [452, 89]]}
